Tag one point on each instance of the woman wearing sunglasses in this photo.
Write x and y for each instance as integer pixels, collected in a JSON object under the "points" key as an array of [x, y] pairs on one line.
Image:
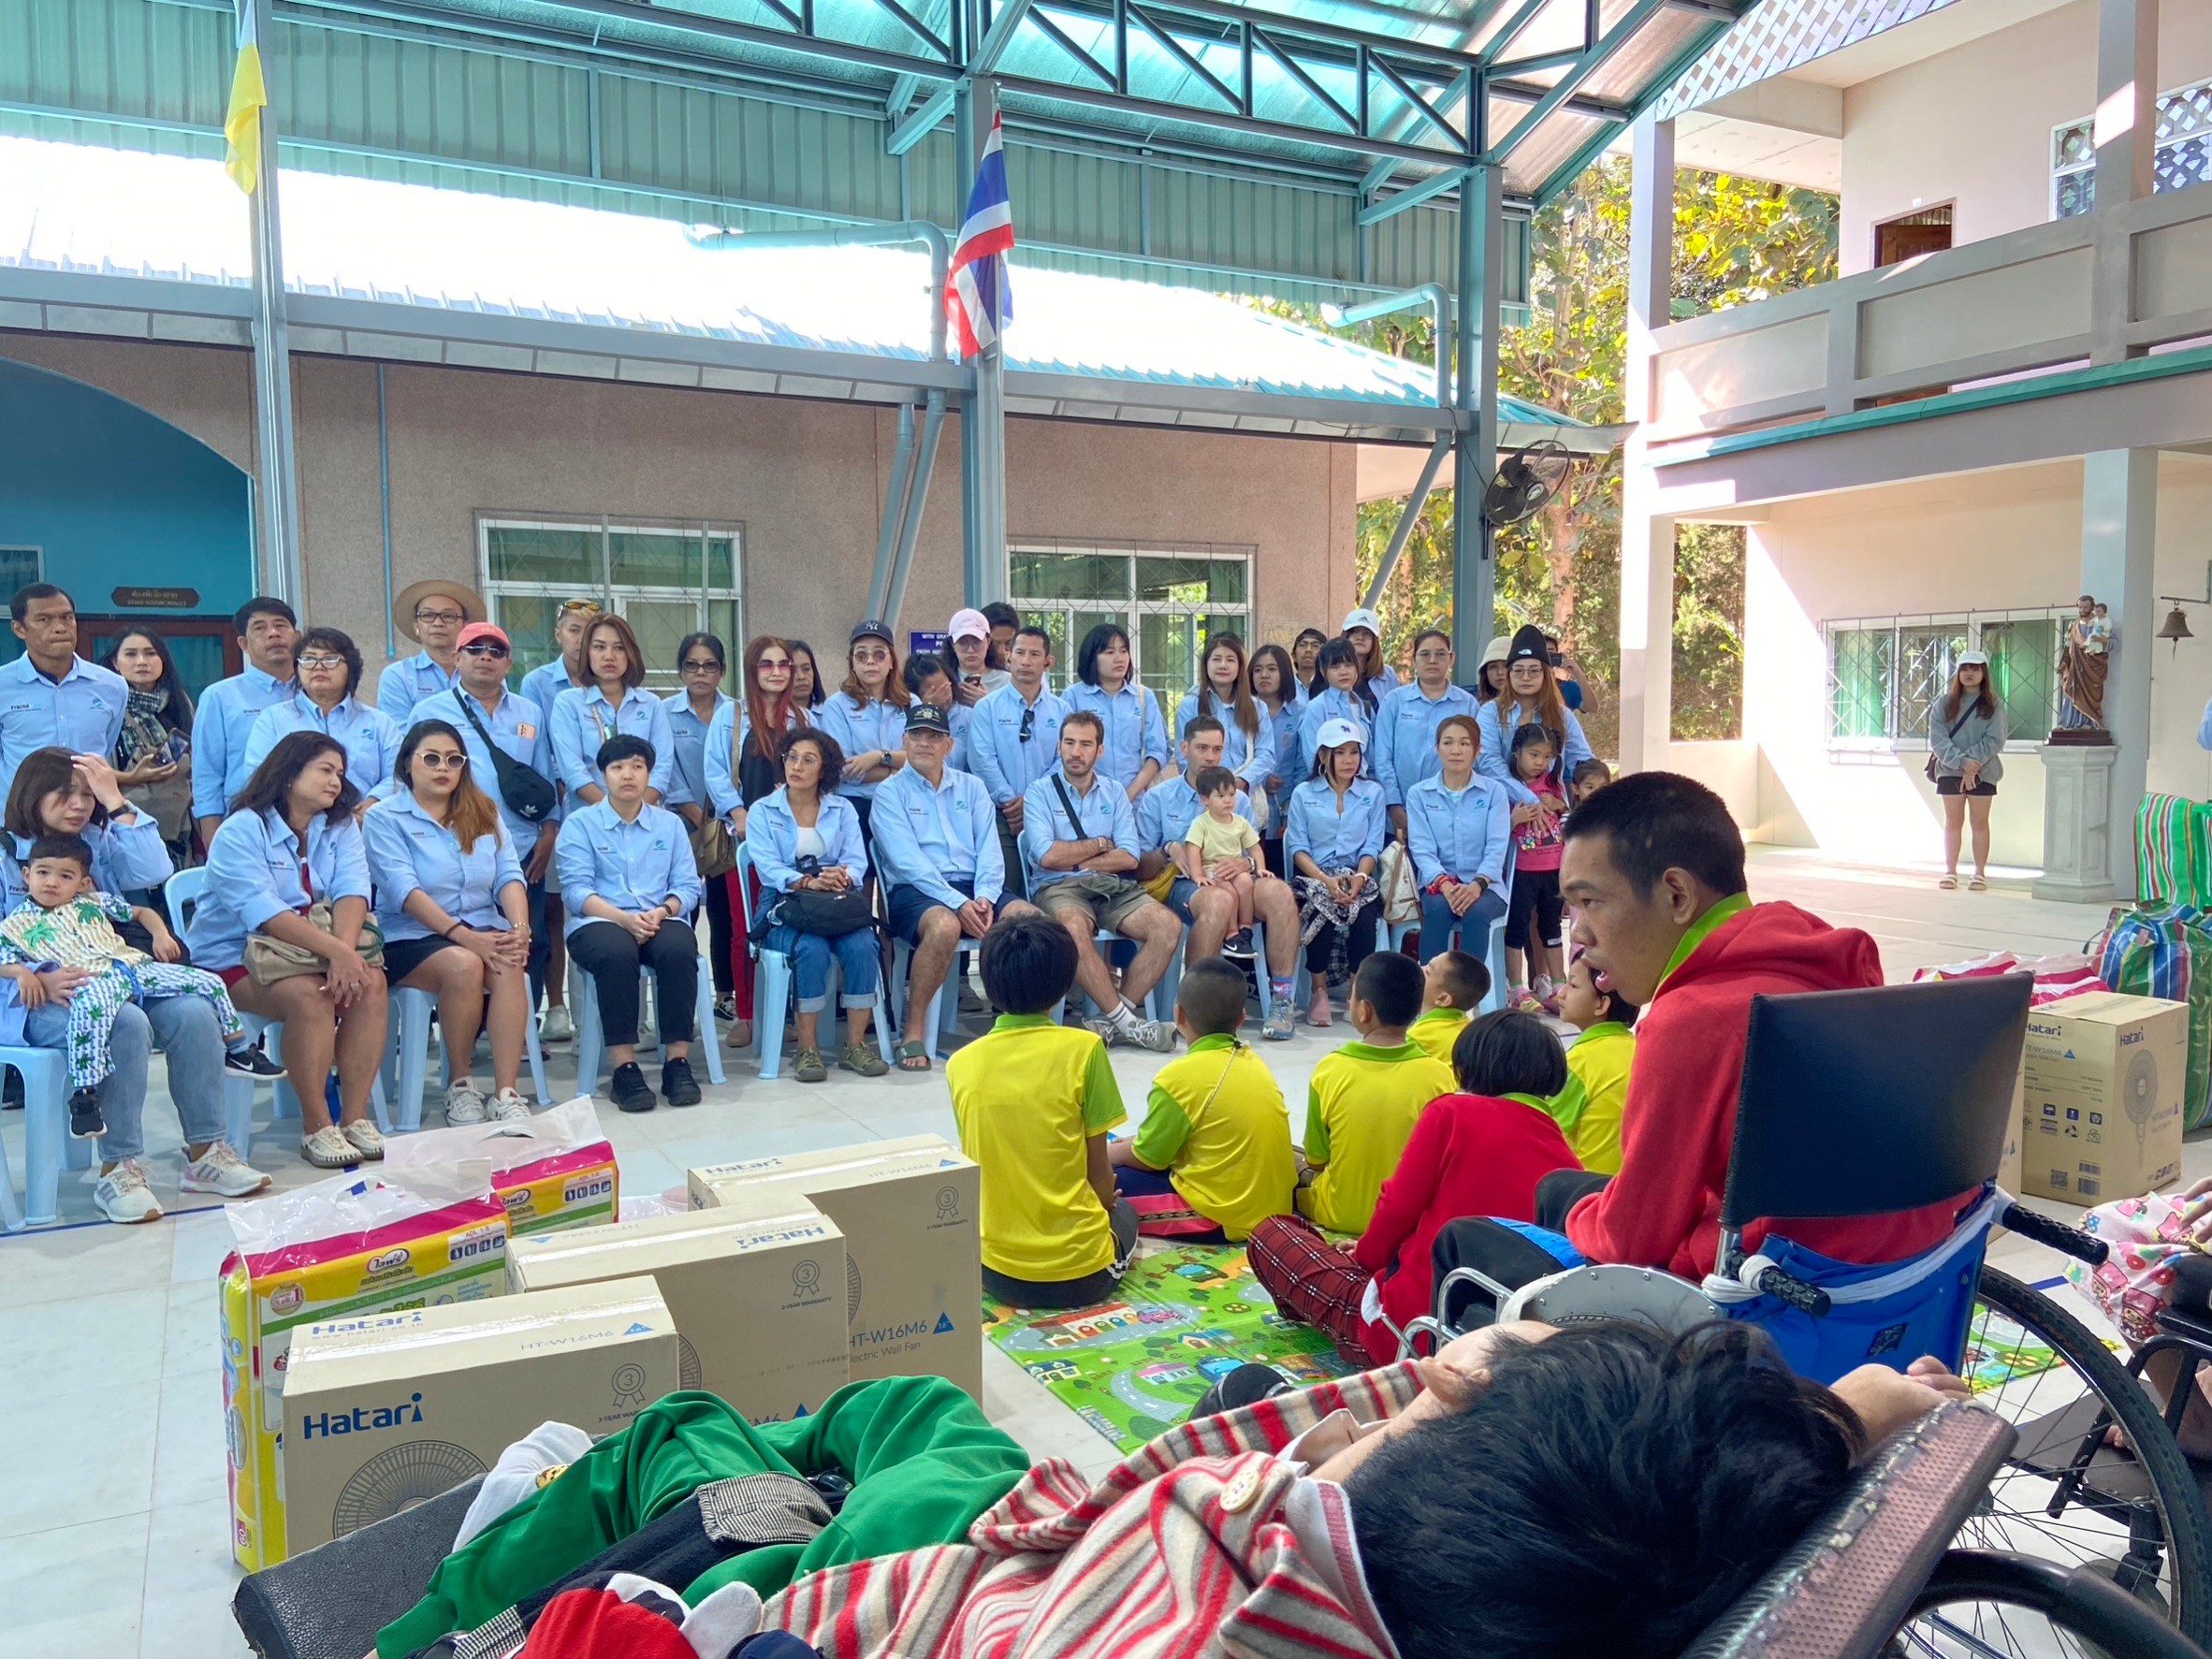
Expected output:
{"points": [[328, 664], [455, 916]]}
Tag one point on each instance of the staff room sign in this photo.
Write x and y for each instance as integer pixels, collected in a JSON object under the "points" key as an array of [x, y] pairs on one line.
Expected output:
{"points": [[155, 599]]}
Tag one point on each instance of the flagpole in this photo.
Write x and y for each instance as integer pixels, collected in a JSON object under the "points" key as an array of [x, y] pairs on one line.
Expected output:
{"points": [[982, 408], [276, 502]]}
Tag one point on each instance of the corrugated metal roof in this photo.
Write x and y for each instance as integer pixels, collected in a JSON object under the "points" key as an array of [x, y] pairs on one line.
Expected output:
{"points": [[111, 212], [1780, 35]]}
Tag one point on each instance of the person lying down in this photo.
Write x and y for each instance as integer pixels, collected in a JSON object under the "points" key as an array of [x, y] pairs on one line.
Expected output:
{"points": [[1601, 1489]]}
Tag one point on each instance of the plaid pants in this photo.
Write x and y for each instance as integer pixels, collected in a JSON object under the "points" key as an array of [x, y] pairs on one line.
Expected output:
{"points": [[93, 1009], [1312, 1280]]}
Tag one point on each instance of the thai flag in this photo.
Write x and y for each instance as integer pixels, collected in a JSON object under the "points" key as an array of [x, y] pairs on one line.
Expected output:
{"points": [[978, 301]]}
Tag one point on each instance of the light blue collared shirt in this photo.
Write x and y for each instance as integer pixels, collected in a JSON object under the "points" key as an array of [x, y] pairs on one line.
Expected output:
{"points": [[1461, 835], [632, 865], [409, 849], [1105, 811], [545, 683], [126, 857], [1405, 736], [1136, 731], [1251, 756], [517, 725], [407, 682], [1166, 811], [859, 728], [221, 726], [1496, 757], [583, 720], [772, 836], [929, 838], [80, 712], [1332, 705], [996, 752], [369, 735], [254, 875], [688, 734], [1335, 837]]}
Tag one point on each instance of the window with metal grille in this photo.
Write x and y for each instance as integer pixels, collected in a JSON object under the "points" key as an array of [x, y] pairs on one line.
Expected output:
{"points": [[1888, 674], [2183, 157], [1169, 601], [665, 579]]}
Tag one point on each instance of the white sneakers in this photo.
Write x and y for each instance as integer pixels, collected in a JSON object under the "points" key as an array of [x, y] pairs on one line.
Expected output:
{"points": [[328, 1149], [219, 1170], [556, 1027], [464, 1104], [508, 1106], [123, 1195]]}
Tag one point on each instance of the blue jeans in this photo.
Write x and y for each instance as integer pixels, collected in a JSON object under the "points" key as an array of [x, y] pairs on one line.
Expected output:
{"points": [[810, 955], [1442, 931], [192, 1037]]}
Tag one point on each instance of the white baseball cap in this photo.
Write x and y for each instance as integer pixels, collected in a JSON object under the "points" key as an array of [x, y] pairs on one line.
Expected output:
{"points": [[1978, 658], [968, 624], [1334, 732], [1362, 617]]}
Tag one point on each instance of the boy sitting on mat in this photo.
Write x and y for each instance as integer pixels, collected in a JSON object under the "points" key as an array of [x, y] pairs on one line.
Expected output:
{"points": [[1212, 1158], [1033, 1099], [1453, 984]]}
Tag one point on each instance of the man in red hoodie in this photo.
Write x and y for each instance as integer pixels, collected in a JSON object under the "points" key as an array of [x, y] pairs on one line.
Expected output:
{"points": [[1654, 868]]}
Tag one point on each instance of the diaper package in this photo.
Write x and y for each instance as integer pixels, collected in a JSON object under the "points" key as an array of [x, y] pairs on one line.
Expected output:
{"points": [[555, 1171], [356, 1244]]}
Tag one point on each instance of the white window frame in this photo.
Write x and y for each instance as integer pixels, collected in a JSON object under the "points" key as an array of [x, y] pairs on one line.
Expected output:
{"points": [[2198, 126], [1914, 742], [618, 597], [1129, 606]]}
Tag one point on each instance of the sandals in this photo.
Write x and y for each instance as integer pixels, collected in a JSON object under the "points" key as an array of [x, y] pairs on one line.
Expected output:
{"points": [[913, 1056], [1977, 885], [860, 1058], [1948, 882], [807, 1066]]}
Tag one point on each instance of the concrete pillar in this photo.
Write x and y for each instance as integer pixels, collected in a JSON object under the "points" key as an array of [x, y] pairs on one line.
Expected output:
{"points": [[2126, 135], [1647, 537]]}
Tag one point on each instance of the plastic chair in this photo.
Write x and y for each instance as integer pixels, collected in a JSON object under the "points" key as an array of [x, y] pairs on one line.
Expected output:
{"points": [[772, 983], [407, 1056], [1493, 958], [47, 1144], [592, 1039], [1172, 981], [938, 1020]]}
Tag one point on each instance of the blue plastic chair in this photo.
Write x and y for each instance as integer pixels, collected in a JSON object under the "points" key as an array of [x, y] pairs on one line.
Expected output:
{"points": [[47, 1144], [940, 1019], [1172, 981], [407, 1056], [772, 985]]}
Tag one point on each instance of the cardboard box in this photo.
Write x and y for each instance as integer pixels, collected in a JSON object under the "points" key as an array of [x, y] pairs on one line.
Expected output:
{"points": [[758, 1300], [914, 1253], [2103, 1078], [555, 1171], [352, 1244], [384, 1410]]}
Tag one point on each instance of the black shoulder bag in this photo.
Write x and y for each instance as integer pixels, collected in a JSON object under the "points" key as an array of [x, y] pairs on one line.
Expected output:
{"points": [[1930, 767], [527, 792], [1076, 823]]}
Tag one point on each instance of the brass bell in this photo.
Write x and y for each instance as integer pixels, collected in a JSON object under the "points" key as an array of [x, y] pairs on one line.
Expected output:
{"points": [[2176, 628]]}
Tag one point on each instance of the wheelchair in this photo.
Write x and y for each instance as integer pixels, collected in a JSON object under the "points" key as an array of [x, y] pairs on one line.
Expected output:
{"points": [[1861, 1103]]}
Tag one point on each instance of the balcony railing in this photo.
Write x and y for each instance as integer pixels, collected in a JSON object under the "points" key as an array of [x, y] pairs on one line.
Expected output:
{"points": [[2099, 288]]}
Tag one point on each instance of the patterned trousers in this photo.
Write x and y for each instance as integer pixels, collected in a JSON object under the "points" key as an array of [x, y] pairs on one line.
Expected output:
{"points": [[92, 1008], [1313, 1281]]}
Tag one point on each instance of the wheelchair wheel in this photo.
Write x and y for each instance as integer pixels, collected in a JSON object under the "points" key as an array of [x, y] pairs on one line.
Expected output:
{"points": [[2064, 1498]]}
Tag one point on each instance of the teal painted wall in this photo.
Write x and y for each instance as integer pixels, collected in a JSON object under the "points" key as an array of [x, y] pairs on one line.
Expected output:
{"points": [[114, 497]]}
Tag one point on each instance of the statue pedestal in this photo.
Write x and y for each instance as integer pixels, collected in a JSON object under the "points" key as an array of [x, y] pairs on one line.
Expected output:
{"points": [[2077, 823]]}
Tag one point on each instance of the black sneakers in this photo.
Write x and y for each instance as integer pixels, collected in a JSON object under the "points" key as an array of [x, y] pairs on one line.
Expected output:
{"points": [[1247, 1385], [630, 1090], [250, 1062], [677, 1084], [85, 1122]]}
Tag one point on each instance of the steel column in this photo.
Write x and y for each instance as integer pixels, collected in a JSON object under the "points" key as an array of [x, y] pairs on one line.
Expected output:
{"points": [[933, 428], [1481, 274], [1412, 512], [276, 501], [894, 512]]}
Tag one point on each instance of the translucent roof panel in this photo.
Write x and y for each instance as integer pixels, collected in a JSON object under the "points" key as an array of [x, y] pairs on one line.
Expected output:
{"points": [[110, 213]]}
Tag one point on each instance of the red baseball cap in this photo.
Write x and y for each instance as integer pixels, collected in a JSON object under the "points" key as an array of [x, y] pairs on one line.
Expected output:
{"points": [[477, 631]]}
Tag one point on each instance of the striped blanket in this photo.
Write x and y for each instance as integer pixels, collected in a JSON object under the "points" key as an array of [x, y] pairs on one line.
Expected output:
{"points": [[2174, 852]]}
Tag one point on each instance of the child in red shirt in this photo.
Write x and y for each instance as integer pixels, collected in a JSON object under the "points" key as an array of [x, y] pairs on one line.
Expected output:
{"points": [[1532, 922], [1478, 1153]]}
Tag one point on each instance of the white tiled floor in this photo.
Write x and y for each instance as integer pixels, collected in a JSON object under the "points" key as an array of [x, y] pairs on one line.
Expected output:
{"points": [[112, 1516]]}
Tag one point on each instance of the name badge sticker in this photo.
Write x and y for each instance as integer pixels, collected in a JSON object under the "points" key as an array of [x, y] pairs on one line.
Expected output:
{"points": [[524, 729]]}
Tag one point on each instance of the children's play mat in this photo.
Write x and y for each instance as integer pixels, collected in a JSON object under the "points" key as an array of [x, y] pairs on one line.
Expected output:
{"points": [[1183, 1317]]}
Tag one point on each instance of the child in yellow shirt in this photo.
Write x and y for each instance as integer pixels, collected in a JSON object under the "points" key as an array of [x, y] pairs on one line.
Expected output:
{"points": [[1212, 1158], [1453, 984], [1589, 1108], [1033, 1101], [1364, 1098]]}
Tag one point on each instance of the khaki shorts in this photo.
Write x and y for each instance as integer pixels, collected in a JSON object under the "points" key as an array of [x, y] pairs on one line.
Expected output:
{"points": [[1108, 899]]}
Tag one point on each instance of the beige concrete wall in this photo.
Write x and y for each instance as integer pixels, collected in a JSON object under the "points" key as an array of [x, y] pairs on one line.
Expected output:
{"points": [[807, 480], [1981, 541], [1972, 127]]}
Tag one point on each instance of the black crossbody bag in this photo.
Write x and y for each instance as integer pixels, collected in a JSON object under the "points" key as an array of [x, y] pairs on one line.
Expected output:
{"points": [[527, 791]]}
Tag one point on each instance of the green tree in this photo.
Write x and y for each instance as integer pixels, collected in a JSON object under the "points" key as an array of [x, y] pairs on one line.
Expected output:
{"points": [[1736, 241]]}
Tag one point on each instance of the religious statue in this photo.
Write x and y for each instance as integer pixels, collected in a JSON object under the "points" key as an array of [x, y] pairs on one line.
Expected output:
{"points": [[2084, 657]]}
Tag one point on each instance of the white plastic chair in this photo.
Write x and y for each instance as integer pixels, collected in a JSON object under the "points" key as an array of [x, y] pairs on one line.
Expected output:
{"points": [[772, 983], [407, 1056]]}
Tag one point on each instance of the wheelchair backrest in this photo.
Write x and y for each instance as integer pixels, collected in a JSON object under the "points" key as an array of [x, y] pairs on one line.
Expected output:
{"points": [[1869, 1102]]}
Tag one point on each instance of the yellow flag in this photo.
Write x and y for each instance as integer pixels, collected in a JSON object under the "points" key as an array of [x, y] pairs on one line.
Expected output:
{"points": [[242, 128]]}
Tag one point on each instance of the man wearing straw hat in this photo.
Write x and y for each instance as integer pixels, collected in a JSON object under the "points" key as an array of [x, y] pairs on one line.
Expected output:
{"points": [[432, 613]]}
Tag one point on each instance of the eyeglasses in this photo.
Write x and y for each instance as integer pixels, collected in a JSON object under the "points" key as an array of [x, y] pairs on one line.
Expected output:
{"points": [[484, 647], [1028, 722], [447, 616], [774, 665], [703, 665], [429, 759], [314, 664]]}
